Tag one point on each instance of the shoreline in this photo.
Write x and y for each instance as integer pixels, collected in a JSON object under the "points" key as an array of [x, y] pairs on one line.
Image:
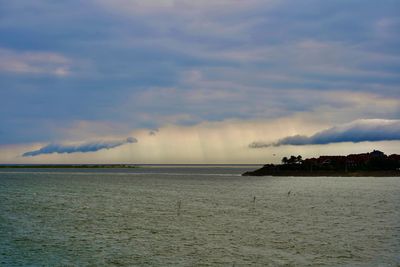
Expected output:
{"points": [[373, 164], [71, 166]]}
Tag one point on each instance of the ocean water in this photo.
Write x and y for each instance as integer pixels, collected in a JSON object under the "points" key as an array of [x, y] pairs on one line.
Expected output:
{"points": [[196, 216]]}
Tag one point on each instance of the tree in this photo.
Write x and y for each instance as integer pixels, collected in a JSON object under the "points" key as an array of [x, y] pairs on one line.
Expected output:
{"points": [[292, 160]]}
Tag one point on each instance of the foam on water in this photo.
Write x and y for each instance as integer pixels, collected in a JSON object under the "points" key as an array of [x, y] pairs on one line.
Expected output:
{"points": [[192, 216]]}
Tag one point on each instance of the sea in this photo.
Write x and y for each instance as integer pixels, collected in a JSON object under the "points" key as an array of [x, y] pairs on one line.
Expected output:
{"points": [[195, 216]]}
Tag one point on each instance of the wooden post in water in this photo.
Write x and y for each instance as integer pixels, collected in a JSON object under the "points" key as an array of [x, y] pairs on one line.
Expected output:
{"points": [[254, 203]]}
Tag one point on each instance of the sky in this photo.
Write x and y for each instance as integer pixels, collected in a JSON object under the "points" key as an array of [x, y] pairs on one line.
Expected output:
{"points": [[183, 81]]}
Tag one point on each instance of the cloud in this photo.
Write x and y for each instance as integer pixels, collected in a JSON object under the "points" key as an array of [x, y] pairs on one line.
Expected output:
{"points": [[371, 130], [83, 148], [34, 63], [180, 7], [153, 132], [184, 62]]}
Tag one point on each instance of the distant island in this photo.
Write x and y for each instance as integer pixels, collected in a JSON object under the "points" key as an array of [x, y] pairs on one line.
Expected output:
{"points": [[375, 163], [67, 166]]}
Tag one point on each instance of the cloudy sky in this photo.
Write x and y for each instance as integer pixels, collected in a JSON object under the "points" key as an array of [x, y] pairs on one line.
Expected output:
{"points": [[183, 81]]}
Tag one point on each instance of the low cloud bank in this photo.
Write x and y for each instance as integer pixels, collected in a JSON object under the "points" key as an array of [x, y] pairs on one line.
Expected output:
{"points": [[357, 131], [83, 148]]}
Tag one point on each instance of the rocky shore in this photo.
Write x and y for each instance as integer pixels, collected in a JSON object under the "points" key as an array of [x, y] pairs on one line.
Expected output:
{"points": [[267, 172]]}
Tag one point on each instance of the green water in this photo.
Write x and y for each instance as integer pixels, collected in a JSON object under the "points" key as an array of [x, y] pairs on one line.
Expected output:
{"points": [[208, 216]]}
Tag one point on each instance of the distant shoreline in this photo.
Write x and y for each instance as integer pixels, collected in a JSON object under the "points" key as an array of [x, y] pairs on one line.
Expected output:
{"points": [[69, 166], [124, 165]]}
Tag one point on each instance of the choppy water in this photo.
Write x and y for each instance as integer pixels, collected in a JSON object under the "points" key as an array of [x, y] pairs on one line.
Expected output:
{"points": [[170, 216]]}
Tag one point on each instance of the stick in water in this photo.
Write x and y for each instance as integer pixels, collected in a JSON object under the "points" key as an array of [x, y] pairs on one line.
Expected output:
{"points": [[179, 204]]}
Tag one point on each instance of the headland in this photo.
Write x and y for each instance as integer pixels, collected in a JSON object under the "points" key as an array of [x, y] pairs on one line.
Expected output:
{"points": [[375, 164]]}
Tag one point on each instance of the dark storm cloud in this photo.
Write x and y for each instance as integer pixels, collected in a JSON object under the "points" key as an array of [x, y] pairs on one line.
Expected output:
{"points": [[82, 148], [358, 131]]}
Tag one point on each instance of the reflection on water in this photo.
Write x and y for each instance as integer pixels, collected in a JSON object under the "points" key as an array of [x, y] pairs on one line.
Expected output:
{"points": [[196, 216]]}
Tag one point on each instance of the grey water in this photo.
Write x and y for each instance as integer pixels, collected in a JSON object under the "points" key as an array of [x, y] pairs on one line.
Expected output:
{"points": [[196, 216]]}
